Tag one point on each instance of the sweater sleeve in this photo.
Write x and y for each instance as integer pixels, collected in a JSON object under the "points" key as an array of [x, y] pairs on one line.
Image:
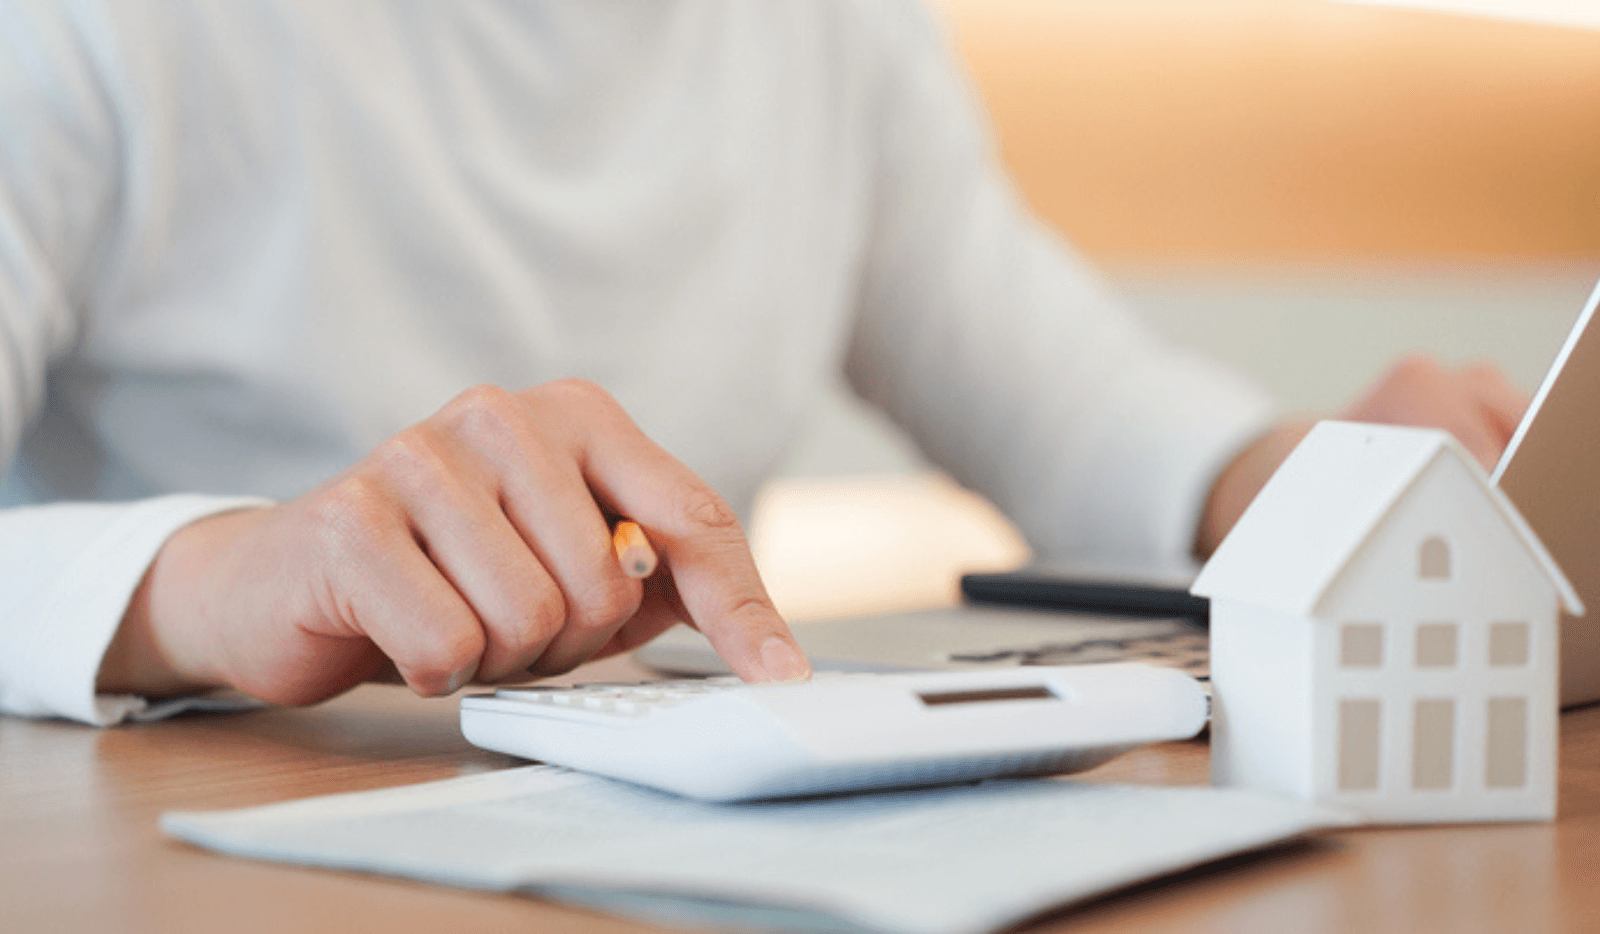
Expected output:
{"points": [[67, 571], [1005, 357]]}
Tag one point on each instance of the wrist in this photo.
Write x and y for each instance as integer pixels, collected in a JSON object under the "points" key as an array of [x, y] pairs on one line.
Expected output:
{"points": [[165, 645], [1239, 482]]}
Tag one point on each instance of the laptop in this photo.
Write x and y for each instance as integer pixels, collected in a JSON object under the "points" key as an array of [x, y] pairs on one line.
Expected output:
{"points": [[1550, 470], [960, 637]]}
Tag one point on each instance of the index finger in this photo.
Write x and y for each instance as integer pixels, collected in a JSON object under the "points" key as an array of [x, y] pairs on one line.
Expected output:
{"points": [[701, 545]]}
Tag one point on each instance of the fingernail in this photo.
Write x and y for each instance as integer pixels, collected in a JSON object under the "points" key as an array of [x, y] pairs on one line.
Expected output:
{"points": [[460, 678], [783, 662]]}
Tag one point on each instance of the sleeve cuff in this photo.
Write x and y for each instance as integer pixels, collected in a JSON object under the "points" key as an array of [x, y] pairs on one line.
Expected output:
{"points": [[74, 568]]}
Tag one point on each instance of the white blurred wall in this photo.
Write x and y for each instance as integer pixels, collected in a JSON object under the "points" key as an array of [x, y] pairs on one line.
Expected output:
{"points": [[1315, 337]]}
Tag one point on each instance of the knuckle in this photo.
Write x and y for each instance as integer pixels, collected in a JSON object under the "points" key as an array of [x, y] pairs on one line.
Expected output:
{"points": [[607, 604], [484, 409], [707, 513], [412, 460], [1485, 370], [576, 390], [546, 614], [347, 517], [754, 614], [573, 397], [1417, 368]]}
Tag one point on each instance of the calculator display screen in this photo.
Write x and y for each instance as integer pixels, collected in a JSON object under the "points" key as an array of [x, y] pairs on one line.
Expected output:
{"points": [[984, 695]]}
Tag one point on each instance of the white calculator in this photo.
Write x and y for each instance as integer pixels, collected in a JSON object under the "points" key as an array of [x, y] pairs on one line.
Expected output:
{"points": [[721, 740]]}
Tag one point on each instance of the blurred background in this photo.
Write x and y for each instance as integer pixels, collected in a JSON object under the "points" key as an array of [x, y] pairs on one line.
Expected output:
{"points": [[1306, 189]]}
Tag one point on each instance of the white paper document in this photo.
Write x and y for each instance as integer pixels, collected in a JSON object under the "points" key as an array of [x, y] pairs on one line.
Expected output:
{"points": [[930, 861]]}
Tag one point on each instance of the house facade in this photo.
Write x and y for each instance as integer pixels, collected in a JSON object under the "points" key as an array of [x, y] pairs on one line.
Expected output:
{"points": [[1384, 636]]}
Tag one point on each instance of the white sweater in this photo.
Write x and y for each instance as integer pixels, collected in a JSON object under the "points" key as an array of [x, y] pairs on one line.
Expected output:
{"points": [[243, 241]]}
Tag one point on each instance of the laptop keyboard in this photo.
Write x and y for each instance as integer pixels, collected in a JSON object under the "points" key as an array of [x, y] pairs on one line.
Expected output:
{"points": [[1188, 652]]}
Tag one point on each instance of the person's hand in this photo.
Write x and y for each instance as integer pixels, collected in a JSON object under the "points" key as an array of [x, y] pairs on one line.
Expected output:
{"points": [[472, 546], [1476, 404]]}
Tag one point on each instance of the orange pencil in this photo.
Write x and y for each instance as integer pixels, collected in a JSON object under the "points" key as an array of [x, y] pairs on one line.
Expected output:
{"points": [[633, 550]]}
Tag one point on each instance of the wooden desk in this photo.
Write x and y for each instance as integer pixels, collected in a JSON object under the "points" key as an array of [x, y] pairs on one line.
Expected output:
{"points": [[81, 850]]}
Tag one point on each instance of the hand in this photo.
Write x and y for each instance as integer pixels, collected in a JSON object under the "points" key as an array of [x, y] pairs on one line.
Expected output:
{"points": [[1476, 404], [472, 546]]}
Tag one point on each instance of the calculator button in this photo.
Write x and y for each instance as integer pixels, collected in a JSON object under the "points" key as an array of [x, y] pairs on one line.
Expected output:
{"points": [[603, 692], [620, 699], [528, 695]]}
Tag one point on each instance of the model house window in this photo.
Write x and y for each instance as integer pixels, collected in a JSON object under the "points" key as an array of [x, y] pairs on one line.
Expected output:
{"points": [[1361, 645], [1506, 765], [1433, 563], [1360, 728], [1433, 743], [1508, 645], [1436, 645]]}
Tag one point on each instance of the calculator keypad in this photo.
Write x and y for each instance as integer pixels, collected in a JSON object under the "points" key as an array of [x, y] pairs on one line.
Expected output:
{"points": [[623, 700], [637, 700]]}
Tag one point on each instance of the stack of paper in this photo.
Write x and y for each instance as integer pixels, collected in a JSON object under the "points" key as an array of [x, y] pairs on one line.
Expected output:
{"points": [[930, 861]]}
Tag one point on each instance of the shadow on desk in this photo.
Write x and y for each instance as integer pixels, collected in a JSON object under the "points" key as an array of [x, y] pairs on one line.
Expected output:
{"points": [[374, 737]]}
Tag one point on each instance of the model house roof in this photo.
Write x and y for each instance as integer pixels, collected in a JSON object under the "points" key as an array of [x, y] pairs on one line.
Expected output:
{"points": [[1327, 499]]}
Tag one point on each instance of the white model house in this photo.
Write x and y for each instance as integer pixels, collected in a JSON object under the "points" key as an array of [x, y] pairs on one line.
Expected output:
{"points": [[1384, 635]]}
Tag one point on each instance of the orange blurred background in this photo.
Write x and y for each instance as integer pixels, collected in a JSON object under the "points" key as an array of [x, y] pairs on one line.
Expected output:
{"points": [[1292, 130]]}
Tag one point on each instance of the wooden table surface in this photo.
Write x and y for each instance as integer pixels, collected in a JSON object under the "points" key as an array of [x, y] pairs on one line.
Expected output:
{"points": [[81, 851]]}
